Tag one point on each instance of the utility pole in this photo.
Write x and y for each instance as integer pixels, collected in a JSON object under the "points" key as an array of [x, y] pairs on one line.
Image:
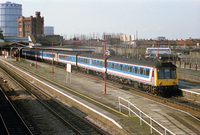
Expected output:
{"points": [[136, 42]]}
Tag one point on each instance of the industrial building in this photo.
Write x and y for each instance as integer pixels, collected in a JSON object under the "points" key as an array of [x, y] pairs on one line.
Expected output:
{"points": [[130, 39], [30, 25], [9, 12]]}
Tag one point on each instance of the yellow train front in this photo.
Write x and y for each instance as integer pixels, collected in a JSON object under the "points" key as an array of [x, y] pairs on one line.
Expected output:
{"points": [[166, 79]]}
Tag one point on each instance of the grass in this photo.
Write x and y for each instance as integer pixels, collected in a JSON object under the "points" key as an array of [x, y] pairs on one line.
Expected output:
{"points": [[46, 71]]}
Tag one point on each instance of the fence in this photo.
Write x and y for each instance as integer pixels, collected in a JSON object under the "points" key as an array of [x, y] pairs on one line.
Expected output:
{"points": [[189, 63], [154, 125]]}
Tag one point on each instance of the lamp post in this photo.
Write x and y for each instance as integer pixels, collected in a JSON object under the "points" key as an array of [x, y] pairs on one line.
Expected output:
{"points": [[25, 52], [169, 53], [52, 58], [126, 49], [158, 50], [36, 55], [141, 51], [105, 65]]}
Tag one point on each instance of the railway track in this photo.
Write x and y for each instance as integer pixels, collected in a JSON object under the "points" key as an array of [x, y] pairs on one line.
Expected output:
{"points": [[176, 102], [11, 123], [75, 123]]}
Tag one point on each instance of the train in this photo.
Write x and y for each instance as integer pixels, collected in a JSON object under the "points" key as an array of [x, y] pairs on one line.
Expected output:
{"points": [[157, 77]]}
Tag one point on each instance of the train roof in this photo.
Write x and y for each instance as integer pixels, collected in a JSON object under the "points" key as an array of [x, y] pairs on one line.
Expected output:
{"points": [[143, 62], [97, 56], [69, 53], [42, 50]]}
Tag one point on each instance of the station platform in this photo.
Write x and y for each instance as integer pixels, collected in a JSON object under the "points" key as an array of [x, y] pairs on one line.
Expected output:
{"points": [[191, 86], [189, 75], [176, 121]]}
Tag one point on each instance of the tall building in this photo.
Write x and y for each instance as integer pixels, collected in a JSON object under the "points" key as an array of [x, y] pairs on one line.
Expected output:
{"points": [[30, 25], [48, 30], [9, 13]]}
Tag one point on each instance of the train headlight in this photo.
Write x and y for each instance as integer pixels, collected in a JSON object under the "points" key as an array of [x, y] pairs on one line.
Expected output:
{"points": [[174, 83]]}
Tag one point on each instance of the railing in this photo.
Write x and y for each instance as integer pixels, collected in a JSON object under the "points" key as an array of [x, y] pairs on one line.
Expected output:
{"points": [[142, 116]]}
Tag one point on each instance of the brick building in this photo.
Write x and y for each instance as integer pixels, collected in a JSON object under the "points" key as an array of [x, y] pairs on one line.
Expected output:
{"points": [[30, 25]]}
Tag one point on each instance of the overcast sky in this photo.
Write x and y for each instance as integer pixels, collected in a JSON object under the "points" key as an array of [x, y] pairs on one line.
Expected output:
{"points": [[173, 19]]}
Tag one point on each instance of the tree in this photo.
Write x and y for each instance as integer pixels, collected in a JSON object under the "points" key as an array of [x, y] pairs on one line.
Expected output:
{"points": [[1, 36]]}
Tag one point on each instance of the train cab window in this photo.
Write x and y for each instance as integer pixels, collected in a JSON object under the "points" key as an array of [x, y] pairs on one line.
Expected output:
{"points": [[167, 73], [173, 73], [147, 72], [160, 74]]}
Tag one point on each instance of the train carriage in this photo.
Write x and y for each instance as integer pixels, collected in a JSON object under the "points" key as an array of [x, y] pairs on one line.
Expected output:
{"points": [[130, 69], [91, 62]]}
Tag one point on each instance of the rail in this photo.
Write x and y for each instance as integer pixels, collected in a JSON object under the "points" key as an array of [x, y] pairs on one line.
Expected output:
{"points": [[142, 118]]}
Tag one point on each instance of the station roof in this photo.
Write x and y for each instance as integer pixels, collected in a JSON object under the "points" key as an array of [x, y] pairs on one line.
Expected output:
{"points": [[10, 44], [69, 49]]}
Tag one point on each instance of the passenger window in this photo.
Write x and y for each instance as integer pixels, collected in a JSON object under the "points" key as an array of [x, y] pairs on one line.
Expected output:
{"points": [[97, 63], [102, 63], [121, 67], [113, 65], [131, 69], [147, 72], [141, 71], [116, 66], [125, 68], [136, 70]]}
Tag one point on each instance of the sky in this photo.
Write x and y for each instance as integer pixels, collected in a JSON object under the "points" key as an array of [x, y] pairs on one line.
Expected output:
{"points": [[173, 19]]}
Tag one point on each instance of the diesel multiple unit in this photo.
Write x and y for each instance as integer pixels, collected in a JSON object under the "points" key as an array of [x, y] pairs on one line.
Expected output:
{"points": [[153, 76]]}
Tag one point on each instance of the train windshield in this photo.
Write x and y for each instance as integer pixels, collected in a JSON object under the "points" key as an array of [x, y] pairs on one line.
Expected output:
{"points": [[166, 73]]}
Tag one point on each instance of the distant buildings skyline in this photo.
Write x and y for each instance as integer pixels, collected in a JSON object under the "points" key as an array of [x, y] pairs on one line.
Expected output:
{"points": [[150, 18]]}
